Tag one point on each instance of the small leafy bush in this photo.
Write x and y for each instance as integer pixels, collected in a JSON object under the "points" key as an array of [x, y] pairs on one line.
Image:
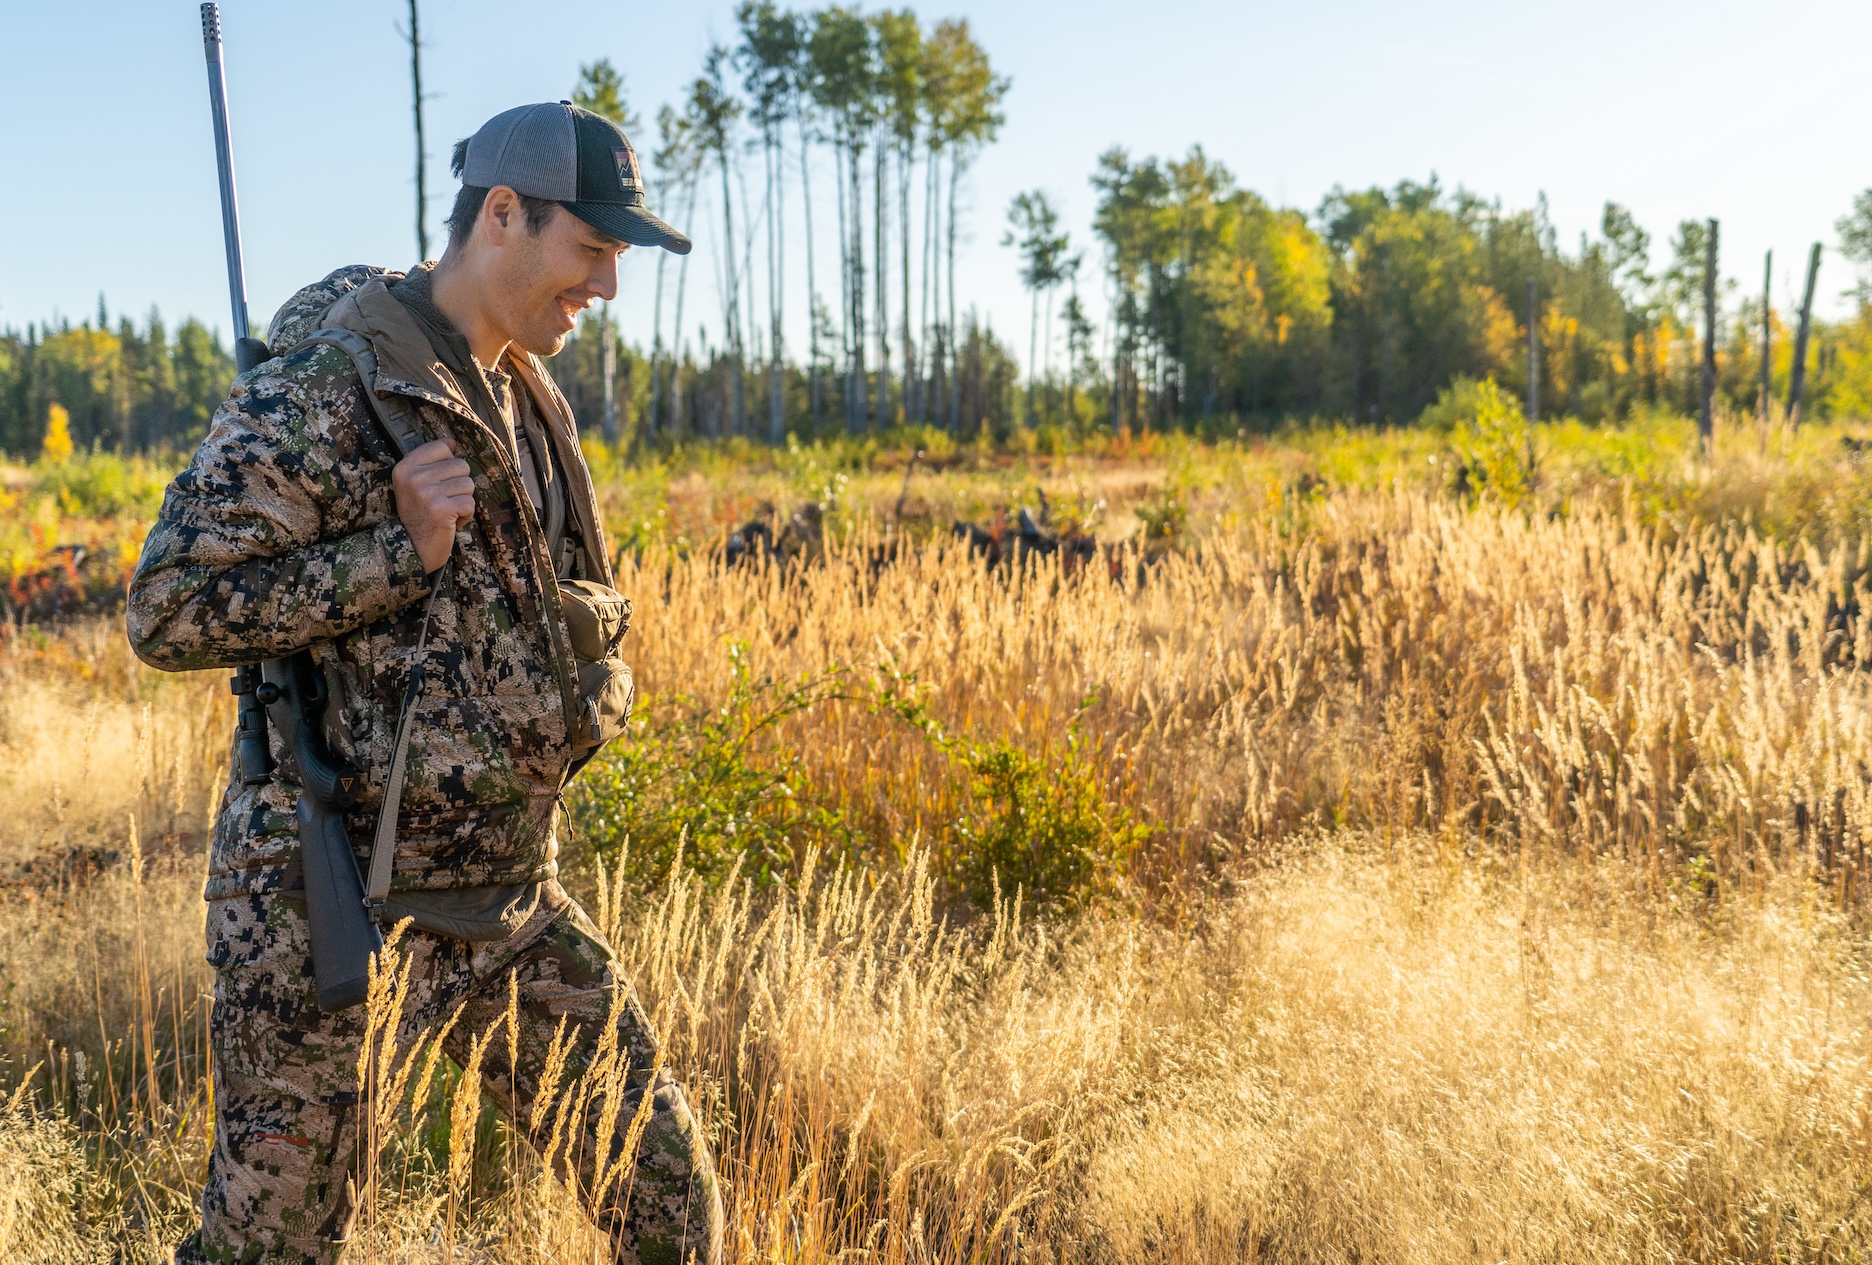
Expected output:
{"points": [[713, 782], [1490, 433], [718, 786], [103, 484], [1165, 518], [1042, 823]]}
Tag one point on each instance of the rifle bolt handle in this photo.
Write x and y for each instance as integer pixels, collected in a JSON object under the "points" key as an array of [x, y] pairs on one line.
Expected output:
{"points": [[267, 693]]}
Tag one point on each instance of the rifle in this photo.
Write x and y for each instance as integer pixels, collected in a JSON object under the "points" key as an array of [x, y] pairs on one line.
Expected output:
{"points": [[291, 691]]}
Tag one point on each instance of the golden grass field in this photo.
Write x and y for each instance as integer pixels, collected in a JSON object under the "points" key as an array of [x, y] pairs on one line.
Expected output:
{"points": [[1471, 878]]}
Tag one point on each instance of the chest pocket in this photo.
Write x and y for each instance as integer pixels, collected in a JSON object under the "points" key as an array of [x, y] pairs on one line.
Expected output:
{"points": [[597, 617]]}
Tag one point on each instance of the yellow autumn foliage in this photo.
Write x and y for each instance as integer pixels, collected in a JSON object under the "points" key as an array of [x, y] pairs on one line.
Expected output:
{"points": [[57, 445]]}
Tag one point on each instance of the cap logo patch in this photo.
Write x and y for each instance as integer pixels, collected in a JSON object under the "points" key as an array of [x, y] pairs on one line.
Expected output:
{"points": [[628, 179]]}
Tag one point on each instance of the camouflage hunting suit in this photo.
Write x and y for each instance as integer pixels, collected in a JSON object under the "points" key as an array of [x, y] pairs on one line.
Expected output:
{"points": [[287, 1107], [282, 535]]}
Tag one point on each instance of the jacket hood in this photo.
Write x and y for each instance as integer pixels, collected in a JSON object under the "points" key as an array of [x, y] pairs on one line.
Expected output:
{"points": [[406, 360], [305, 310]]}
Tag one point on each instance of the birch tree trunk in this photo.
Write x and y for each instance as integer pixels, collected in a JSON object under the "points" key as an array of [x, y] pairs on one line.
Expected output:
{"points": [[812, 276], [955, 385], [682, 286], [860, 388], [747, 336], [776, 281], [1033, 348], [879, 208], [1046, 357], [910, 384], [845, 286], [731, 302], [656, 349], [930, 370]]}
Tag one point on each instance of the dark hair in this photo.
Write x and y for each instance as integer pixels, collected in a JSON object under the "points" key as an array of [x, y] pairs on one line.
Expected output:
{"points": [[469, 201]]}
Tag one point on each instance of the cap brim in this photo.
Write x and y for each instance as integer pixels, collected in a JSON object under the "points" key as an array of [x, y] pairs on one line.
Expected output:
{"points": [[632, 224]]}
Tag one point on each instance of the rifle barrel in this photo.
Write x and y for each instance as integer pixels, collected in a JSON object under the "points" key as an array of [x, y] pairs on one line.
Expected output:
{"points": [[224, 158]]}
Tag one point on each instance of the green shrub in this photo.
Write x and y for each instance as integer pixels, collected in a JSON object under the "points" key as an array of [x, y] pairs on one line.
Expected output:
{"points": [[104, 484], [1043, 828], [712, 782], [1491, 434], [717, 785], [1041, 824], [1165, 517]]}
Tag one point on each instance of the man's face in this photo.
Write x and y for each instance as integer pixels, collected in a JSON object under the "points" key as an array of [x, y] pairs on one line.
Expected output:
{"points": [[538, 283]]}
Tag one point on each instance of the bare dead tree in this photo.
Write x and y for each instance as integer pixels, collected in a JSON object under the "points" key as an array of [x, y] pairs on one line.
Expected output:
{"points": [[1767, 389], [1798, 378], [414, 37], [1706, 415], [1533, 352]]}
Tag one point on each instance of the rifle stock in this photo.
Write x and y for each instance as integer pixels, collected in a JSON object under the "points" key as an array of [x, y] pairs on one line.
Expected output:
{"points": [[344, 936]]}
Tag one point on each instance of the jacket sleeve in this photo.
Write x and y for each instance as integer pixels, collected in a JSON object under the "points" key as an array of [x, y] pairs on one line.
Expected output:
{"points": [[280, 533]]}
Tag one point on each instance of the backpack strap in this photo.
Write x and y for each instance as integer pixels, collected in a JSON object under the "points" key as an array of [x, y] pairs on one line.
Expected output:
{"points": [[397, 417], [392, 411]]}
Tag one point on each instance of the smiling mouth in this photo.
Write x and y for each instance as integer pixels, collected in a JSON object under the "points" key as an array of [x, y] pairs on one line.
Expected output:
{"points": [[569, 312]]}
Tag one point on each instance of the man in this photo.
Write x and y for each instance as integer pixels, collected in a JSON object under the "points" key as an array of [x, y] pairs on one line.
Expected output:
{"points": [[301, 525]]}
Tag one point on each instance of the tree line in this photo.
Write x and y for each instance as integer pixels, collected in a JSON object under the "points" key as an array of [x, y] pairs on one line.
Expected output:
{"points": [[1368, 308], [1219, 305], [124, 387], [1216, 306]]}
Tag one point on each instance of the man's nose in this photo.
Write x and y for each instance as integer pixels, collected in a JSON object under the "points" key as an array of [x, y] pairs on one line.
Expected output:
{"points": [[604, 280]]}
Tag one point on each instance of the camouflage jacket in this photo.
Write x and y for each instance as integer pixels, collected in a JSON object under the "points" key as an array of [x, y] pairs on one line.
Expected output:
{"points": [[282, 535]]}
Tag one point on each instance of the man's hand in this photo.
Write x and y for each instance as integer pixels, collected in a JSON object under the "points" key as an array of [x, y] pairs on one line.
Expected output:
{"points": [[434, 496]]}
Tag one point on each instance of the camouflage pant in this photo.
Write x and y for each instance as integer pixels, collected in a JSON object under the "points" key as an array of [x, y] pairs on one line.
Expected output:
{"points": [[286, 1101]]}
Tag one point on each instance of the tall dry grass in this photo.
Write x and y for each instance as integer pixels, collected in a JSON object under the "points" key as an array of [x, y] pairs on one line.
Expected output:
{"points": [[89, 738], [1576, 685], [1364, 1053], [1507, 903]]}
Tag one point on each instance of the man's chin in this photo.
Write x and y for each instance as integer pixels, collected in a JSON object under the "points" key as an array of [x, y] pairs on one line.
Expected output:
{"points": [[544, 342]]}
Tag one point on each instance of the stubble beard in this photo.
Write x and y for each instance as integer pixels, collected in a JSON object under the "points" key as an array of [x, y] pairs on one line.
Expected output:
{"points": [[544, 342]]}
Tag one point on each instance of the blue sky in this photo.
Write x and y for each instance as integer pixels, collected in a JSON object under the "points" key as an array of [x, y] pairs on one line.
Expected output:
{"points": [[1748, 112]]}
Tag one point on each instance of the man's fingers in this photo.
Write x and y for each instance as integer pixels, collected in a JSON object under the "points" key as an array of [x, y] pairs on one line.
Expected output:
{"points": [[435, 498], [447, 468], [430, 453], [434, 486]]}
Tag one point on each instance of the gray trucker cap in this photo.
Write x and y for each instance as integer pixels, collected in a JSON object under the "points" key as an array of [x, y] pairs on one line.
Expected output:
{"points": [[581, 160]]}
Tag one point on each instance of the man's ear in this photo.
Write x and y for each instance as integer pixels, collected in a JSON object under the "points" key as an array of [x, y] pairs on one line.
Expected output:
{"points": [[499, 213]]}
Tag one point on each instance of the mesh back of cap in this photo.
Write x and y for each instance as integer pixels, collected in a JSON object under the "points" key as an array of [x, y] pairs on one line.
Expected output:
{"points": [[531, 149]]}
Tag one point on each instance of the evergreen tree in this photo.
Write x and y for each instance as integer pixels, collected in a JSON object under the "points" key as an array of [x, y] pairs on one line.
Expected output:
{"points": [[600, 89]]}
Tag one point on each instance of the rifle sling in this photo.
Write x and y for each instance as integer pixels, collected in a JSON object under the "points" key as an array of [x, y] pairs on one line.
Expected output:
{"points": [[383, 844], [399, 420]]}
